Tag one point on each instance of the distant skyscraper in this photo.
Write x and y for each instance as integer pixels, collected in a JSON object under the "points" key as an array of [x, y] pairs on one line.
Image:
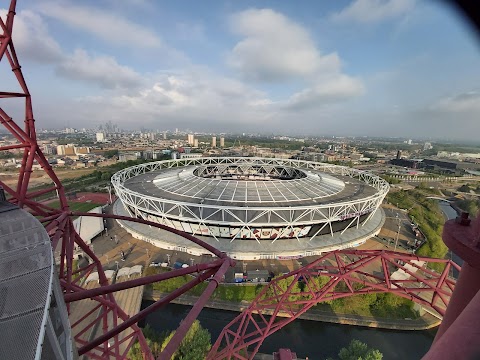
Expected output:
{"points": [[176, 130], [191, 139], [164, 135], [100, 136], [214, 141], [399, 154], [195, 143], [222, 142]]}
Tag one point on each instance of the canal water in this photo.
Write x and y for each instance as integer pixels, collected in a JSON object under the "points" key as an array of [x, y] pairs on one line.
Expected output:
{"points": [[314, 339]]}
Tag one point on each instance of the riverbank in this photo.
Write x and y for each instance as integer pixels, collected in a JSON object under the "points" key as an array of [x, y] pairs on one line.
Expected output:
{"points": [[425, 322]]}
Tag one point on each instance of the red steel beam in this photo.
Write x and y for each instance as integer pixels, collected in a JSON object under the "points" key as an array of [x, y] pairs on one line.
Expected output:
{"points": [[141, 281], [347, 267], [183, 234], [142, 314], [181, 331]]}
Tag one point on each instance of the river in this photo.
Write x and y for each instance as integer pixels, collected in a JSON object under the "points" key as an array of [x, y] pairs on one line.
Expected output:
{"points": [[314, 339]]}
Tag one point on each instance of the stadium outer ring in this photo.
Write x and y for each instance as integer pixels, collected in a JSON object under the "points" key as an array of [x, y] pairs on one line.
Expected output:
{"points": [[140, 205]]}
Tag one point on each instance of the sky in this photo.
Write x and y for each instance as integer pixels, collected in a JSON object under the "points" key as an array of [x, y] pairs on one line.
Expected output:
{"points": [[406, 68]]}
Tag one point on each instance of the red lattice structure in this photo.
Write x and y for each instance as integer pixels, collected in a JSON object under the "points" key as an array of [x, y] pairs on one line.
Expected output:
{"points": [[335, 275], [112, 331]]}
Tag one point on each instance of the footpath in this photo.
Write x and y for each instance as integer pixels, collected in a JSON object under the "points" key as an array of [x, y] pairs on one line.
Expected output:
{"points": [[424, 322]]}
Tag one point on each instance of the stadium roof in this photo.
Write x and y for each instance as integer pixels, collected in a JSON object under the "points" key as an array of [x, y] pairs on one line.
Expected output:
{"points": [[181, 184]]}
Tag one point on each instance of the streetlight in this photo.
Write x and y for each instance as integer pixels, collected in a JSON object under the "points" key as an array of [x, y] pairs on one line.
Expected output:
{"points": [[116, 263]]}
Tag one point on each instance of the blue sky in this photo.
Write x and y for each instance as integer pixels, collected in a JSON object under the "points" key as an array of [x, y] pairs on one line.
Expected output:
{"points": [[352, 67]]}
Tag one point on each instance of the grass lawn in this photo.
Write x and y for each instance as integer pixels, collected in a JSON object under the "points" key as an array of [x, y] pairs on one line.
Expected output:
{"points": [[76, 206]]}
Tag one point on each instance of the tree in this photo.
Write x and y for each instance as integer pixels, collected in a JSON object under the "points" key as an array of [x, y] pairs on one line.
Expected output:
{"points": [[153, 339], [110, 153], [105, 176], [194, 346], [358, 350]]}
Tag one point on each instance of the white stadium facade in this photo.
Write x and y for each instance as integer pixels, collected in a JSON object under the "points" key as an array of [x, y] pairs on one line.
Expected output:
{"points": [[252, 208]]}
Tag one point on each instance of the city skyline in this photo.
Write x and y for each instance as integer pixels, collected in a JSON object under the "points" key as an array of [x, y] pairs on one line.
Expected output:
{"points": [[353, 68]]}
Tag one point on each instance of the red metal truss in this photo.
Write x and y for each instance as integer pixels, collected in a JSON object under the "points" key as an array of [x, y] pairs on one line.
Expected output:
{"points": [[103, 330], [335, 275]]}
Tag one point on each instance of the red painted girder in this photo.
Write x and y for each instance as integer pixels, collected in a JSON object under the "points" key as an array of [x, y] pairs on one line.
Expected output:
{"points": [[141, 281], [273, 299], [142, 314], [183, 234]]}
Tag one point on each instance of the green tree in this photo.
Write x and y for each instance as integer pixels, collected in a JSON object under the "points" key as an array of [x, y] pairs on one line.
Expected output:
{"points": [[154, 342], [194, 346], [358, 350], [106, 176], [464, 188], [110, 153]]}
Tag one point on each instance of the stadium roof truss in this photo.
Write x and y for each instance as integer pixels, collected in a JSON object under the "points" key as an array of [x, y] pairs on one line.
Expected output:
{"points": [[260, 215]]}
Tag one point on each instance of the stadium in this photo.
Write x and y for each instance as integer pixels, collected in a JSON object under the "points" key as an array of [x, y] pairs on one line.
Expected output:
{"points": [[252, 208]]}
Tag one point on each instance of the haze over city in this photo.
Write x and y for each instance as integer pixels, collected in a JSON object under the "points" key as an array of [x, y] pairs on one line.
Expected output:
{"points": [[364, 67]]}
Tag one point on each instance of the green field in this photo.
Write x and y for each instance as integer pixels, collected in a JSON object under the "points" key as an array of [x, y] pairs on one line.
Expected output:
{"points": [[76, 206]]}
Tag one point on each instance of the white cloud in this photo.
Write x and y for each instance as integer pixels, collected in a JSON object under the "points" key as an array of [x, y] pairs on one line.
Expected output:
{"points": [[192, 32], [275, 48], [31, 38], [192, 96], [107, 26], [468, 102], [336, 89], [371, 11], [102, 70], [33, 42]]}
